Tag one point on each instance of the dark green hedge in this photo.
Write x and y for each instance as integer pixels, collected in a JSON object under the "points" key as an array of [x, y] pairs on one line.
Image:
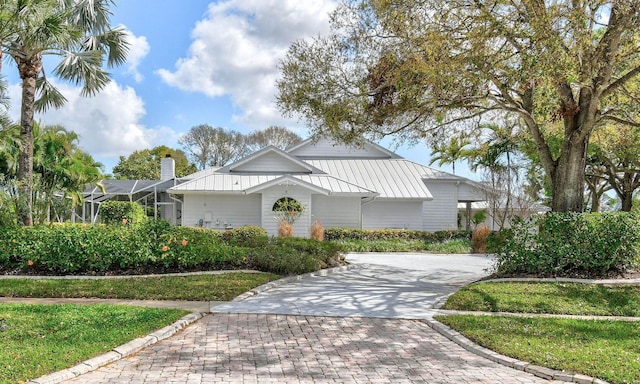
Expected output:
{"points": [[76, 248], [155, 247], [122, 212], [246, 236], [393, 234], [571, 244]]}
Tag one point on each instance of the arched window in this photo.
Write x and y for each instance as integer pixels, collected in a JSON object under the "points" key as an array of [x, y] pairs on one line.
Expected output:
{"points": [[287, 204]]}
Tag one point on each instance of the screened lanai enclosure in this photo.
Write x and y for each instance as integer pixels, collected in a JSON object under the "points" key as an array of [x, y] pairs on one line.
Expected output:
{"points": [[151, 194]]}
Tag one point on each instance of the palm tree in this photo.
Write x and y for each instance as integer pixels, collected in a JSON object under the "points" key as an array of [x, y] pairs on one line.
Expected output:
{"points": [[450, 152], [80, 34], [63, 169]]}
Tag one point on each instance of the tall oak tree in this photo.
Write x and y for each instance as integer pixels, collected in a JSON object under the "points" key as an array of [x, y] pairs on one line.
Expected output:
{"points": [[415, 68]]}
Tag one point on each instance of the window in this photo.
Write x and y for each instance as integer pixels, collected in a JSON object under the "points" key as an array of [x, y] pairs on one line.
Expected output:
{"points": [[287, 204]]}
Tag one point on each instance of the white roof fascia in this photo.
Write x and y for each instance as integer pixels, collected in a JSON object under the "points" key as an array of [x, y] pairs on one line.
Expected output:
{"points": [[261, 152], [203, 192], [288, 179]]}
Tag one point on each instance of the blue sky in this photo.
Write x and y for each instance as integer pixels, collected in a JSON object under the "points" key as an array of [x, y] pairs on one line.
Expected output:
{"points": [[192, 62]]}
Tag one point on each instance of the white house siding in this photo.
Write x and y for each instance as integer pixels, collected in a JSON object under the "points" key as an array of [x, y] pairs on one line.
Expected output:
{"points": [[336, 211], [324, 148], [217, 210], [270, 162], [468, 192], [392, 214], [441, 213], [273, 194]]}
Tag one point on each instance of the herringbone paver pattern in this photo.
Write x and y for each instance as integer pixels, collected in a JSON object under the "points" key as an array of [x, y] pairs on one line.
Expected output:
{"points": [[258, 348]]}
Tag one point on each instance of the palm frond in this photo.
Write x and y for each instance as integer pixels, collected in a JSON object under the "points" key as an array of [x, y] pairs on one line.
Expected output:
{"points": [[49, 96], [113, 43], [83, 68]]}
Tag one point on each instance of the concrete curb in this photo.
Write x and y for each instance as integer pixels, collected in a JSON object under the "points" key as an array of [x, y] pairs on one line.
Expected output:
{"points": [[285, 280], [561, 280], [119, 352], [542, 372]]}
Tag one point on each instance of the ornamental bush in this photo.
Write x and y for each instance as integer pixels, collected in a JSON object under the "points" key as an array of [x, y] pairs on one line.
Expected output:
{"points": [[571, 244], [122, 212]]}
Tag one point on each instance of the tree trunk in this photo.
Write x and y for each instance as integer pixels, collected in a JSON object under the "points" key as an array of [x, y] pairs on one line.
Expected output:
{"points": [[595, 201], [627, 201], [569, 177], [29, 70]]}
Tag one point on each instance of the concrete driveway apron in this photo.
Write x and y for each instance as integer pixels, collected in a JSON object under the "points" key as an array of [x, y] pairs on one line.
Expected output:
{"points": [[405, 286], [353, 326]]}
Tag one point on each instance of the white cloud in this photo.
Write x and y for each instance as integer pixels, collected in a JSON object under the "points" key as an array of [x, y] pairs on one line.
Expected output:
{"points": [[109, 124], [236, 50], [139, 48]]}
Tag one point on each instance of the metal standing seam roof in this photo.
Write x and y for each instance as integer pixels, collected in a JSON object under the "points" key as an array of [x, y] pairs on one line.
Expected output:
{"points": [[391, 178], [238, 183]]}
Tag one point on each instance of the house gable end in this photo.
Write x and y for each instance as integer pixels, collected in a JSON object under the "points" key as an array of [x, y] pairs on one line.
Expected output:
{"points": [[269, 160], [323, 148]]}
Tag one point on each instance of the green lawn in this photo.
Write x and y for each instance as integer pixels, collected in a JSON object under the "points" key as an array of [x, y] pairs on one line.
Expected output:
{"points": [[40, 339], [555, 298], [608, 350], [222, 287]]}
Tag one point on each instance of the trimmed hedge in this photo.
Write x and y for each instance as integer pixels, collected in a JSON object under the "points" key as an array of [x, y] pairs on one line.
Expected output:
{"points": [[155, 247], [571, 244], [150, 247], [393, 234], [294, 255]]}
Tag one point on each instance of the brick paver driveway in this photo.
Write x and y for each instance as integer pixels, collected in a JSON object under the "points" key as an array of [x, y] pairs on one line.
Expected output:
{"points": [[259, 347]]}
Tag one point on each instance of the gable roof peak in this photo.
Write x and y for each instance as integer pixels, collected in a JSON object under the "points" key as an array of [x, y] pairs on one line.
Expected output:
{"points": [[292, 161], [322, 147]]}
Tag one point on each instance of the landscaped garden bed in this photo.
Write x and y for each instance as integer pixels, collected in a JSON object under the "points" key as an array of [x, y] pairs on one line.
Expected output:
{"points": [[561, 245]]}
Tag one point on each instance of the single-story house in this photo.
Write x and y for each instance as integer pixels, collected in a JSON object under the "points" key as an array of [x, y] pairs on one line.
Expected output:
{"points": [[366, 187]]}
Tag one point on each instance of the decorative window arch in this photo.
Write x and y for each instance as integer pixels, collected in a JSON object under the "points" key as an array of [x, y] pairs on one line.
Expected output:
{"points": [[287, 204], [288, 210]]}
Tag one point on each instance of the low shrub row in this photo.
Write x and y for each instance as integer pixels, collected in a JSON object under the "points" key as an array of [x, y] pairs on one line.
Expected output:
{"points": [[393, 234], [571, 244], [294, 255], [154, 247], [447, 246]]}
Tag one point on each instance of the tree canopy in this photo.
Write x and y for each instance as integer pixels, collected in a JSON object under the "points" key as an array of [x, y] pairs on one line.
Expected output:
{"points": [[80, 35], [145, 164], [424, 69], [215, 147], [61, 172], [279, 137]]}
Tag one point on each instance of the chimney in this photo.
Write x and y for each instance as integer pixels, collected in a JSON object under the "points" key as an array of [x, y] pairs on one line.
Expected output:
{"points": [[167, 168]]}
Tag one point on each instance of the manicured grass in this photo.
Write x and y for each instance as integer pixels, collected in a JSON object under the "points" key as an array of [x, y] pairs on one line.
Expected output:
{"points": [[604, 349], [41, 339], [222, 287], [554, 298], [448, 246]]}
